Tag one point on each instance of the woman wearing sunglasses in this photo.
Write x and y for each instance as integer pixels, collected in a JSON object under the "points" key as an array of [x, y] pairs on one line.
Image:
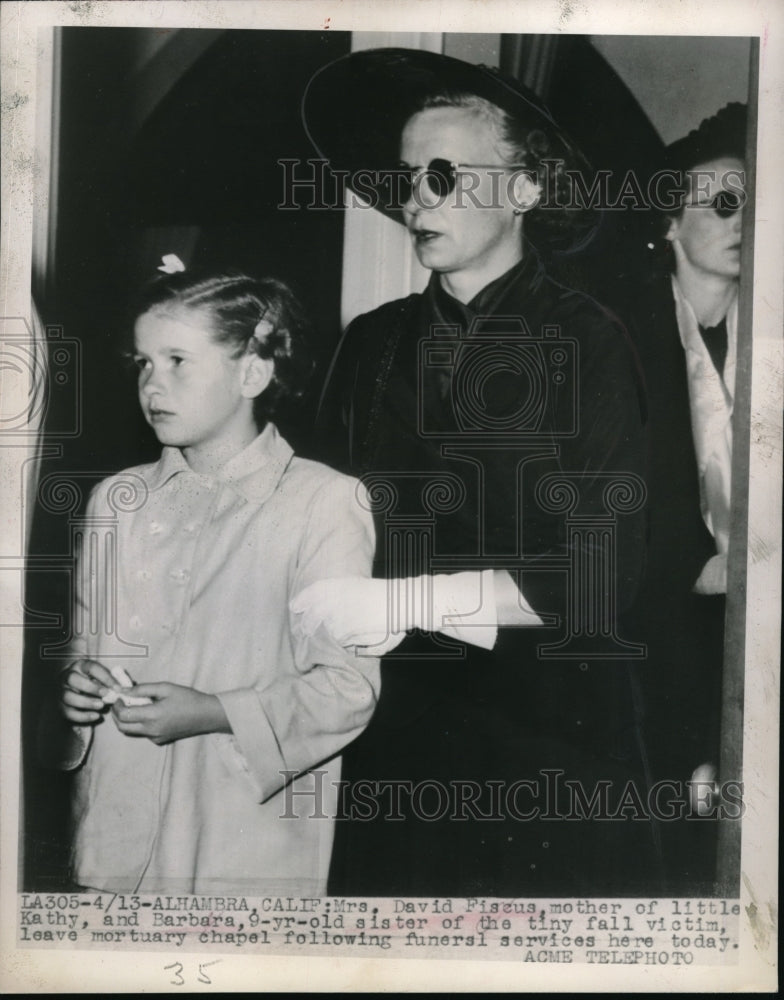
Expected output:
{"points": [[488, 416], [684, 319]]}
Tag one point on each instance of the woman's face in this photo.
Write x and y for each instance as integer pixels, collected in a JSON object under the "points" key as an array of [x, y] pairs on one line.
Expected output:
{"points": [[472, 230], [704, 243]]}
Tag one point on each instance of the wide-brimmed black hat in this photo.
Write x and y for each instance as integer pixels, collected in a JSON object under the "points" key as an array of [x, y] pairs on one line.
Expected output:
{"points": [[354, 110]]}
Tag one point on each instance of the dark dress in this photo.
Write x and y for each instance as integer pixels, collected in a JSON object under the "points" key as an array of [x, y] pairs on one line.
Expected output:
{"points": [[683, 631], [456, 415]]}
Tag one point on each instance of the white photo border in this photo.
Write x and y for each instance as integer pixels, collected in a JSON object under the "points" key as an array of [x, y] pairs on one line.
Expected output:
{"points": [[101, 971]]}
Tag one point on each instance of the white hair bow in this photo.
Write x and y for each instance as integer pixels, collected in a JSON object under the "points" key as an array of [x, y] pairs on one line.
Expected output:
{"points": [[262, 330], [171, 264]]}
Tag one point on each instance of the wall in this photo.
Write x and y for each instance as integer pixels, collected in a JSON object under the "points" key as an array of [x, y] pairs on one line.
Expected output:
{"points": [[681, 81], [678, 80]]}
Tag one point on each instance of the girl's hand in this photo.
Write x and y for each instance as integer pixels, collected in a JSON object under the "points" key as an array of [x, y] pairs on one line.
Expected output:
{"points": [[176, 713], [83, 687]]}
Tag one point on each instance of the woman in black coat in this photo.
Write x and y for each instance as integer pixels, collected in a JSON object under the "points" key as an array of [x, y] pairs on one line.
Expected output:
{"points": [[683, 317], [496, 420]]}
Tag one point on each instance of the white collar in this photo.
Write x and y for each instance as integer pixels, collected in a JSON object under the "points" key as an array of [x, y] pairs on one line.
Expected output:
{"points": [[253, 473]]}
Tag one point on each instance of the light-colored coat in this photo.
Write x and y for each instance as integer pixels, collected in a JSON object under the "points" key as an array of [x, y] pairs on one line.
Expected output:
{"points": [[186, 578]]}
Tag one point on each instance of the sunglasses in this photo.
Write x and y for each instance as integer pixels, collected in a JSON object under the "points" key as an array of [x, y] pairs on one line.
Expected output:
{"points": [[725, 204], [440, 175]]}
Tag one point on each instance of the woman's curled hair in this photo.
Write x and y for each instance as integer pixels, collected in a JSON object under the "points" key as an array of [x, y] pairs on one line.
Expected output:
{"points": [[558, 220]]}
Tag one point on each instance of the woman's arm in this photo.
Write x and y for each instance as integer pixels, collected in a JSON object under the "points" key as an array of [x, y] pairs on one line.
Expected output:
{"points": [[606, 454], [511, 605], [376, 614]]}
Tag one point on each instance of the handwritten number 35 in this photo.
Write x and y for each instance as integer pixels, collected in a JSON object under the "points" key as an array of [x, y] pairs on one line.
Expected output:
{"points": [[180, 981]]}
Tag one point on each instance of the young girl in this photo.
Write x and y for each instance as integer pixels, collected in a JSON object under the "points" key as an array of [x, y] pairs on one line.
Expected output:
{"points": [[198, 777]]}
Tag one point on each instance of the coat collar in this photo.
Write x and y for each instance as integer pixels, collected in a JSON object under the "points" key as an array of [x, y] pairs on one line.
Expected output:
{"points": [[511, 288], [253, 474]]}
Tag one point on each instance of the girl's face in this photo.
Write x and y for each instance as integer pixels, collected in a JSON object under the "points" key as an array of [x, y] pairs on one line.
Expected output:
{"points": [[193, 393], [474, 231]]}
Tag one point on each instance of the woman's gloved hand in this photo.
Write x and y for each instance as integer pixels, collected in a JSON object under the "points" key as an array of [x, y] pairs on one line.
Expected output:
{"points": [[713, 578], [376, 614]]}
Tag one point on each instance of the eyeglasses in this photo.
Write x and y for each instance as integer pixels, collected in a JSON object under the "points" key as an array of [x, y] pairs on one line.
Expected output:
{"points": [[725, 204], [441, 176]]}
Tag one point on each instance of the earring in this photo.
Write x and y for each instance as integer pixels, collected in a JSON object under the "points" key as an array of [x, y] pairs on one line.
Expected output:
{"points": [[517, 211]]}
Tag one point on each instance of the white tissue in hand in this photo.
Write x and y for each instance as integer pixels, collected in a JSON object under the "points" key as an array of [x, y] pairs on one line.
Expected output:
{"points": [[122, 678]]}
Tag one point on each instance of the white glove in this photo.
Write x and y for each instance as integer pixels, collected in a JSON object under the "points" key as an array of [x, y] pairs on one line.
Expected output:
{"points": [[713, 578], [703, 789], [378, 613]]}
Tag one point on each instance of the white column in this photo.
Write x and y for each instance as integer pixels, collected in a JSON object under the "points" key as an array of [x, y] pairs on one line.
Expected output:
{"points": [[379, 263]]}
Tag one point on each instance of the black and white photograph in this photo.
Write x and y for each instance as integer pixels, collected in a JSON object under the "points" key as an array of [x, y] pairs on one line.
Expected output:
{"points": [[391, 548]]}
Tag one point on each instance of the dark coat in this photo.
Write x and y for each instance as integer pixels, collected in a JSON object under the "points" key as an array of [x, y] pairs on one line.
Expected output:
{"points": [[489, 431], [683, 631]]}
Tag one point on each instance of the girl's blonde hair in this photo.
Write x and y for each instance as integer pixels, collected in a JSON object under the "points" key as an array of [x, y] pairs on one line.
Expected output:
{"points": [[260, 314]]}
